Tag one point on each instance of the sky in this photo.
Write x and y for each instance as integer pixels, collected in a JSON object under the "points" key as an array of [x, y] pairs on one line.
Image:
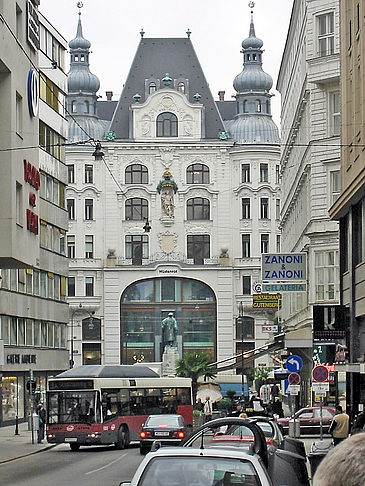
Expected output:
{"points": [[217, 27]]}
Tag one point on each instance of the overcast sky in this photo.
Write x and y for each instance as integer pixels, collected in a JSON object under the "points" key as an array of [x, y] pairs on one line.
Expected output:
{"points": [[218, 28]]}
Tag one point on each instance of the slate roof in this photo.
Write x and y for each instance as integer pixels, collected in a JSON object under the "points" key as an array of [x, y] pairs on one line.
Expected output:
{"points": [[227, 109], [105, 109], [154, 58]]}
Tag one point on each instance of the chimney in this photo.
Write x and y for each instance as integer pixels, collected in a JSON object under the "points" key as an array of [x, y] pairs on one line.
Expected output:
{"points": [[109, 95], [221, 95]]}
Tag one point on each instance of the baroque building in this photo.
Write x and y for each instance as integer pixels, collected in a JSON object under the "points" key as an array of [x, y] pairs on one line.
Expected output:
{"points": [[308, 81], [174, 214]]}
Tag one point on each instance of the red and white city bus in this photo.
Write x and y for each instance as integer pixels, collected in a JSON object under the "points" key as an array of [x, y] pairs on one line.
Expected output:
{"points": [[100, 404]]}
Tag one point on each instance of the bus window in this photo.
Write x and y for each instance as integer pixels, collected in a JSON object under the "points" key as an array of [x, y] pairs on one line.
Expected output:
{"points": [[153, 400], [183, 396], [168, 404], [114, 402], [138, 403]]}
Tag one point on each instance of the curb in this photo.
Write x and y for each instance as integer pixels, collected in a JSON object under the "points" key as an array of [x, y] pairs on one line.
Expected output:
{"points": [[29, 454]]}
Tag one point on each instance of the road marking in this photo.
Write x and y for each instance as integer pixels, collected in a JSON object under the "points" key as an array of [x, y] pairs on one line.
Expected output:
{"points": [[106, 465]]}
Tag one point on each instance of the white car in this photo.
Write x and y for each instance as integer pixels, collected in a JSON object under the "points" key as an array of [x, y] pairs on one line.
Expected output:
{"points": [[187, 466]]}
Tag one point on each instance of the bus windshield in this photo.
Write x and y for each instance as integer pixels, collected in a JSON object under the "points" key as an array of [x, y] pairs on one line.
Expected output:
{"points": [[71, 407]]}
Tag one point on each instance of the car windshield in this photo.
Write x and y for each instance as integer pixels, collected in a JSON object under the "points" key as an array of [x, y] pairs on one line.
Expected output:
{"points": [[162, 421], [245, 431], [198, 471]]}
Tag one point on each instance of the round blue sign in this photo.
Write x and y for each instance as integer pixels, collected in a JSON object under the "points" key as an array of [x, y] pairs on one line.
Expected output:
{"points": [[294, 364]]}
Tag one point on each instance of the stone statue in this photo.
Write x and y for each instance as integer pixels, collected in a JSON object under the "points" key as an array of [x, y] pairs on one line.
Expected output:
{"points": [[169, 329], [167, 202]]}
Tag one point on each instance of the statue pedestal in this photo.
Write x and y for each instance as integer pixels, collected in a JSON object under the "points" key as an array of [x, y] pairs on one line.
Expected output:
{"points": [[169, 360]]}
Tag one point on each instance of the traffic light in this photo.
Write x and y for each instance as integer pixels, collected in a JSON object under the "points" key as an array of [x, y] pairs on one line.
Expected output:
{"points": [[31, 386]]}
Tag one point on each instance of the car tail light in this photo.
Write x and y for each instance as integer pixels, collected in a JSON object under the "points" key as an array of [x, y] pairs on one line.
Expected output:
{"points": [[144, 435], [178, 435]]}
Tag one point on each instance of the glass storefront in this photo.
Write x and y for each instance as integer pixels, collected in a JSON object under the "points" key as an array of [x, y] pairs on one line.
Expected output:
{"points": [[146, 303], [12, 397]]}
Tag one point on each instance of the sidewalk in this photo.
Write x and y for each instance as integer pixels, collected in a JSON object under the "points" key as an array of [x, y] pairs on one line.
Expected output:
{"points": [[16, 446]]}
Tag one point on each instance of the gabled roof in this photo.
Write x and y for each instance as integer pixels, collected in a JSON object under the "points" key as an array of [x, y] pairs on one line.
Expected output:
{"points": [[154, 58]]}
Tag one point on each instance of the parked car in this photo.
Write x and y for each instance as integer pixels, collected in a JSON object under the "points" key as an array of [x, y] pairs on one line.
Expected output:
{"points": [[168, 429], [186, 466], [309, 419], [242, 433]]}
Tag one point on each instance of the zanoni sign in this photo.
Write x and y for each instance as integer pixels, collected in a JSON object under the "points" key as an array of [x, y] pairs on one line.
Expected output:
{"points": [[284, 266]]}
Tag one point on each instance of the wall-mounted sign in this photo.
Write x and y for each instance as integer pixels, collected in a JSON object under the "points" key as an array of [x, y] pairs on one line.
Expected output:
{"points": [[293, 287], [21, 358], [32, 26], [33, 92], [166, 271], [269, 328], [284, 266], [272, 301]]}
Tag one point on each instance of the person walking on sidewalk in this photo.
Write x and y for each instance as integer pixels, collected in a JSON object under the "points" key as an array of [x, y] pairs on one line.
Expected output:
{"points": [[339, 427], [208, 409], [42, 416]]}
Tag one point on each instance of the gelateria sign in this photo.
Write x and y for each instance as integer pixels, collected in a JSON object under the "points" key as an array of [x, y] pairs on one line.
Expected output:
{"points": [[284, 267]]}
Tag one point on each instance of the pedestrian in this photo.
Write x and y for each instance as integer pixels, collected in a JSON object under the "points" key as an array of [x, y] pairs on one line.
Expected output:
{"points": [[344, 465], [199, 405], [274, 391], [277, 408], [42, 416], [359, 422], [238, 411], [208, 409], [339, 427]]}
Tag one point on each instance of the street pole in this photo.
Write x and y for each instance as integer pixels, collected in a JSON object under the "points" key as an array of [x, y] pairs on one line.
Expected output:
{"points": [[72, 341], [17, 408], [242, 371], [31, 404]]}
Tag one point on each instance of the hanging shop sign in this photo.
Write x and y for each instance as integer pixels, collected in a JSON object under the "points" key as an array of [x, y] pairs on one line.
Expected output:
{"points": [[284, 267]]}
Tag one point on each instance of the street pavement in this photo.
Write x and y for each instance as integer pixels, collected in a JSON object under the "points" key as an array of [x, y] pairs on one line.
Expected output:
{"points": [[15, 446]]}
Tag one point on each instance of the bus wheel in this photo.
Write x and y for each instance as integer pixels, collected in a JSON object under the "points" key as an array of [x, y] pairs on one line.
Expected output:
{"points": [[122, 438], [74, 446]]}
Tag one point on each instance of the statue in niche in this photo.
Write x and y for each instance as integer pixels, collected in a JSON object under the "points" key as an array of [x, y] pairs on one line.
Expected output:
{"points": [[167, 188]]}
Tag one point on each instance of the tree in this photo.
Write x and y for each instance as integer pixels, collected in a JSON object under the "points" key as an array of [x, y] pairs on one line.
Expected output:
{"points": [[194, 365], [261, 375]]}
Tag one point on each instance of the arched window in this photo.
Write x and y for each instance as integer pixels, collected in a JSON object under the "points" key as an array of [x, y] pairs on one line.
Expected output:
{"points": [[152, 88], [82, 58], [248, 57], [245, 327], [258, 106], [198, 208], [136, 174], [197, 174], [245, 110], [181, 87], [268, 111], [76, 58], [166, 125], [73, 107], [86, 106], [136, 209]]}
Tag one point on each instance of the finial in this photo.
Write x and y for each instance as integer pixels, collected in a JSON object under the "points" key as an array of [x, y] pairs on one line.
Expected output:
{"points": [[188, 33], [197, 97], [142, 32], [137, 97], [79, 6], [167, 80]]}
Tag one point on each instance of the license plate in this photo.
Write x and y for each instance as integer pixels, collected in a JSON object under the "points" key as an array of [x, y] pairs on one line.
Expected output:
{"points": [[71, 439], [162, 434]]}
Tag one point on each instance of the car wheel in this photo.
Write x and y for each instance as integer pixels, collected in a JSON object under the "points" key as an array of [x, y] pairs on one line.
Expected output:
{"points": [[75, 447], [122, 438]]}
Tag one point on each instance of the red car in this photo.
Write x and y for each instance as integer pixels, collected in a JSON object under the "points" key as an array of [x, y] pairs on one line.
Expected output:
{"points": [[236, 434], [309, 419]]}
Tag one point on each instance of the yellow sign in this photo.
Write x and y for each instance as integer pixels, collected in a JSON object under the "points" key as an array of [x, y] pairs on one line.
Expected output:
{"points": [[266, 301]]}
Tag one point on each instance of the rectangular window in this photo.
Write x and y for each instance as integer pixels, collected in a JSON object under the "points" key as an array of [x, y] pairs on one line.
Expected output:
{"points": [[18, 22], [13, 331], [89, 286], [264, 243], [246, 208], [335, 110], [43, 284], [56, 336], [264, 208], [19, 203], [278, 245], [136, 248], [327, 275], [326, 34], [335, 182], [89, 246], [245, 172], [71, 208], [277, 209], [28, 281], [246, 280], [277, 174], [19, 114], [264, 172], [21, 332], [89, 209], [21, 280], [71, 287], [71, 253], [37, 333], [246, 246], [198, 248], [50, 285], [71, 174], [89, 174], [29, 332], [36, 282], [5, 329], [43, 334]]}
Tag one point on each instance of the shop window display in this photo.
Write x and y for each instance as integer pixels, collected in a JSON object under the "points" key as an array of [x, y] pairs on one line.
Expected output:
{"points": [[12, 398]]}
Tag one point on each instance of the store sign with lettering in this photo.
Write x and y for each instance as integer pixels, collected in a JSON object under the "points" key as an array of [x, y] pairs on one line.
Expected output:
{"points": [[21, 358], [32, 177]]}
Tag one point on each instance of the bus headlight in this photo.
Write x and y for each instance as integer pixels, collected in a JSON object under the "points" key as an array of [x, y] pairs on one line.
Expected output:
{"points": [[94, 435]]}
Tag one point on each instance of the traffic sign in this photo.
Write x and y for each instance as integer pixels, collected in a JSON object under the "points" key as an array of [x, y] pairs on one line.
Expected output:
{"points": [[294, 379], [294, 389], [321, 387], [286, 386], [294, 364], [320, 374]]}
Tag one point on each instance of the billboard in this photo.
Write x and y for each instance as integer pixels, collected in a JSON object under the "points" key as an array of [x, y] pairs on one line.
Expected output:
{"points": [[289, 267]]}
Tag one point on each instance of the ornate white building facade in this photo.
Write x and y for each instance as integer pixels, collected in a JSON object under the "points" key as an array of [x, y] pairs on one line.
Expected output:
{"points": [[203, 175]]}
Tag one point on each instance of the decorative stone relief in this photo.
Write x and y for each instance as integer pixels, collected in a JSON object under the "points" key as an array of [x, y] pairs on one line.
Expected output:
{"points": [[188, 125], [167, 241], [167, 156], [196, 229]]}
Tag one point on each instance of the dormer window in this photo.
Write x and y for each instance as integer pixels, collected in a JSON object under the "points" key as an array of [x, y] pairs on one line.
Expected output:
{"points": [[82, 58], [152, 88], [166, 125], [254, 57], [73, 107], [248, 57], [245, 110], [258, 106], [268, 107], [76, 58], [181, 87]]}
